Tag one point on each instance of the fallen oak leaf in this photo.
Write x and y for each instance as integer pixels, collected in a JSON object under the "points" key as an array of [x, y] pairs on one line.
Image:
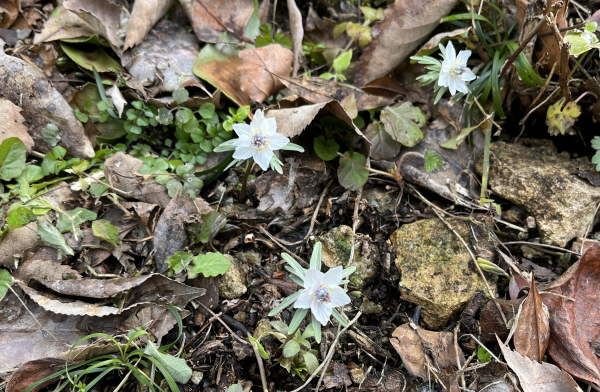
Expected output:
{"points": [[533, 328], [258, 68]]}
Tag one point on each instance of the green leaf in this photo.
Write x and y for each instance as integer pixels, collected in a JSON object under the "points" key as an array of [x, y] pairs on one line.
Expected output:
{"points": [[50, 134], [176, 367], [352, 176], [5, 281], [315, 257], [212, 223], [235, 388], [291, 348], [456, 141], [287, 301], [483, 355], [19, 216], [179, 261], [432, 161], [326, 149], [51, 236], [209, 264], [382, 144], [105, 231], [90, 57], [173, 187], [559, 119], [403, 123], [207, 110], [261, 349], [252, 29], [297, 320], [181, 95], [312, 363], [32, 173], [12, 158], [69, 221], [342, 62]]}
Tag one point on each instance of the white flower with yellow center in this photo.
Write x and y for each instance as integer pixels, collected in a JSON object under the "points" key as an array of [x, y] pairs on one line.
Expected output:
{"points": [[322, 293], [455, 73], [258, 140]]}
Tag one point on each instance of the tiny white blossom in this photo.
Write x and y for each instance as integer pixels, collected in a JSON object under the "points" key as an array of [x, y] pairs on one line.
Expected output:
{"points": [[454, 72], [322, 293], [258, 140]]}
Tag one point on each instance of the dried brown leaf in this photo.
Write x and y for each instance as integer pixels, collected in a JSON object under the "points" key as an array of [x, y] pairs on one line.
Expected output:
{"points": [[406, 24], [258, 68], [533, 328], [538, 377], [34, 371], [211, 18], [575, 317], [144, 15], [9, 11], [11, 124], [410, 342]]}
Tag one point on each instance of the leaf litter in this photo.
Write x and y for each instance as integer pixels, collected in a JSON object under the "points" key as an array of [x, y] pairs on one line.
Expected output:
{"points": [[126, 223]]}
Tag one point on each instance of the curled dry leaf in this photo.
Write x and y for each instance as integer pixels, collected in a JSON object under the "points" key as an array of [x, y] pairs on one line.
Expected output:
{"points": [[143, 16], [211, 18], [575, 317], [25, 86], [406, 24], [533, 328], [410, 341], [297, 33], [11, 124], [258, 68], [32, 372], [536, 377]]}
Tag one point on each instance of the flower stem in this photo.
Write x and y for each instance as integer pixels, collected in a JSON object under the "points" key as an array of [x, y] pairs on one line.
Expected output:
{"points": [[249, 164], [486, 164]]}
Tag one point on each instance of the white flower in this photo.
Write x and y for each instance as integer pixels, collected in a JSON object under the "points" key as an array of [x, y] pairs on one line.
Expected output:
{"points": [[258, 140], [454, 72], [322, 293]]}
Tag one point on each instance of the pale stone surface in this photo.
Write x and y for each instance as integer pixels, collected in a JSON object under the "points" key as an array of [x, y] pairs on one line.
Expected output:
{"points": [[541, 180], [233, 282], [336, 251], [436, 269]]}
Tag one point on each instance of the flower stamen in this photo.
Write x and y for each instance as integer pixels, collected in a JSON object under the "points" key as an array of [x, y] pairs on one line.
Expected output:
{"points": [[258, 140]]}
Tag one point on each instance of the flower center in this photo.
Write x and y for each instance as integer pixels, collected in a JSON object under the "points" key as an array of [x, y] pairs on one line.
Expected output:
{"points": [[258, 140], [458, 69], [323, 294]]}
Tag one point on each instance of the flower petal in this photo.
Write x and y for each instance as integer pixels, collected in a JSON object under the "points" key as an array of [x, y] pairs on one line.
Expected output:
{"points": [[461, 86], [242, 130], [263, 158], [313, 278], [322, 312], [450, 53], [463, 56], [258, 122], [443, 80], [305, 300], [243, 152], [467, 75], [333, 277], [242, 142], [452, 85], [270, 126], [277, 141], [338, 297]]}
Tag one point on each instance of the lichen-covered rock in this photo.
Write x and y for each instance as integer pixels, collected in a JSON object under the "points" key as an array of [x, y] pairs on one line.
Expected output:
{"points": [[436, 269], [336, 251], [233, 282], [541, 180]]}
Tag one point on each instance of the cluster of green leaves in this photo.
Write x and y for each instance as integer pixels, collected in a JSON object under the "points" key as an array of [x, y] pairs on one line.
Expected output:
{"points": [[340, 64], [584, 40], [208, 264], [297, 357], [360, 33], [266, 37], [559, 119], [177, 176], [134, 358]]}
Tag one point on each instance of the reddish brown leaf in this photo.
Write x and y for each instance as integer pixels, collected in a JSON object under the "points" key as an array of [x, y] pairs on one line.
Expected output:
{"points": [[492, 323], [536, 377], [406, 24], [11, 124], [533, 328], [32, 372], [9, 11], [258, 69], [386, 87], [575, 317]]}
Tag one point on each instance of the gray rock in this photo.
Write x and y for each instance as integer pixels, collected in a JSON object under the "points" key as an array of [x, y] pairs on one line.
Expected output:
{"points": [[436, 269], [233, 282], [543, 181], [336, 251]]}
